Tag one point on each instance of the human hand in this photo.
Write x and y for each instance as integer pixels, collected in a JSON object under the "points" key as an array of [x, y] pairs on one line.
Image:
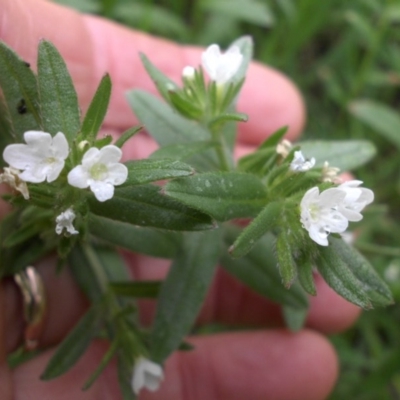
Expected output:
{"points": [[267, 364]]}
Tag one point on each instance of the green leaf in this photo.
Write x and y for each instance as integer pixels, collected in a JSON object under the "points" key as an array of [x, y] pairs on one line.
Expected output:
{"points": [[162, 82], [125, 376], [97, 110], [182, 152], [153, 242], [127, 135], [183, 292], [305, 274], [340, 278], [258, 270], [223, 195], [339, 153], [142, 289], [145, 206], [294, 317], [59, 102], [260, 161], [374, 286], [19, 88], [169, 128], [146, 170], [245, 44], [264, 222], [287, 266], [379, 117], [103, 364], [251, 11], [75, 344]]}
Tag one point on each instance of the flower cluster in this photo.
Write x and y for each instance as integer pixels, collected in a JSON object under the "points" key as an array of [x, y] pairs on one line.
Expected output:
{"points": [[330, 211], [43, 158]]}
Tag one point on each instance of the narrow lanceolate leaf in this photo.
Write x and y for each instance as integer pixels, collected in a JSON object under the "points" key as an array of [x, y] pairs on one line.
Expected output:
{"points": [[294, 317], [163, 83], [223, 195], [143, 289], [153, 242], [75, 344], [339, 277], [183, 292], [169, 128], [339, 153], [182, 152], [145, 171], [258, 270], [306, 278], [287, 266], [97, 110], [58, 99], [127, 135], [145, 206], [19, 87], [379, 117], [265, 221], [375, 287]]}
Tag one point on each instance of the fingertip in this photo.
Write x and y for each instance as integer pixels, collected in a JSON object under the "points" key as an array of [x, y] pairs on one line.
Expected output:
{"points": [[271, 101], [329, 312], [253, 365]]}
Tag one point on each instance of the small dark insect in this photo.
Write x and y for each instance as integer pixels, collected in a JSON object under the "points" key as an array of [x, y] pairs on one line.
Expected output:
{"points": [[27, 64], [21, 107]]}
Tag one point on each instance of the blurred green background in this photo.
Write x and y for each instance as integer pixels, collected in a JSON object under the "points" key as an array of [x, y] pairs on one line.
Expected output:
{"points": [[345, 57]]}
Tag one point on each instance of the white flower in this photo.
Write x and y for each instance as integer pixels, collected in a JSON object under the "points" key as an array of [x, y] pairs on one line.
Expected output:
{"points": [[101, 171], [11, 177], [41, 158], [355, 200], [300, 164], [331, 211], [283, 148], [146, 374], [188, 72], [221, 67], [64, 220], [319, 214]]}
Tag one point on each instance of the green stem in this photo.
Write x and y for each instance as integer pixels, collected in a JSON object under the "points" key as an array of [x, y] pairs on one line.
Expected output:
{"points": [[96, 267]]}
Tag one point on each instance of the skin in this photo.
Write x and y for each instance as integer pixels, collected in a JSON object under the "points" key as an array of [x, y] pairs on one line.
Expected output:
{"points": [[269, 363]]}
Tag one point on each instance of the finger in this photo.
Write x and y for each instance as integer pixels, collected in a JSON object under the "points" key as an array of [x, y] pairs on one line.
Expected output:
{"points": [[65, 305], [273, 365], [230, 302], [27, 384], [94, 46]]}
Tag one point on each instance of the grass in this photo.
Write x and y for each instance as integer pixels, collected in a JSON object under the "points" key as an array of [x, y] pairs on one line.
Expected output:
{"points": [[344, 55]]}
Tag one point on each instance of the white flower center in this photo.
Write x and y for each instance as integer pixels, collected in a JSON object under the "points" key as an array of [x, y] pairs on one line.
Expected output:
{"points": [[98, 171]]}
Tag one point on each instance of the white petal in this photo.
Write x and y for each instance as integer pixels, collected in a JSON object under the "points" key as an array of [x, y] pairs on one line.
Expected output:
{"points": [[78, 177], [60, 146], [210, 59], [54, 170], [20, 156], [146, 374], [36, 174], [318, 235], [38, 140], [110, 154], [117, 174], [102, 190], [90, 157]]}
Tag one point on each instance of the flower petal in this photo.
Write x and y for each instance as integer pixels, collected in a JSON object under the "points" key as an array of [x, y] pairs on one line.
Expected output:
{"points": [[102, 190], [117, 174], [60, 146], [110, 154], [78, 177]]}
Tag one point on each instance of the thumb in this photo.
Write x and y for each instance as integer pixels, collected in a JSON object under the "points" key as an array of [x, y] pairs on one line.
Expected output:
{"points": [[92, 46]]}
